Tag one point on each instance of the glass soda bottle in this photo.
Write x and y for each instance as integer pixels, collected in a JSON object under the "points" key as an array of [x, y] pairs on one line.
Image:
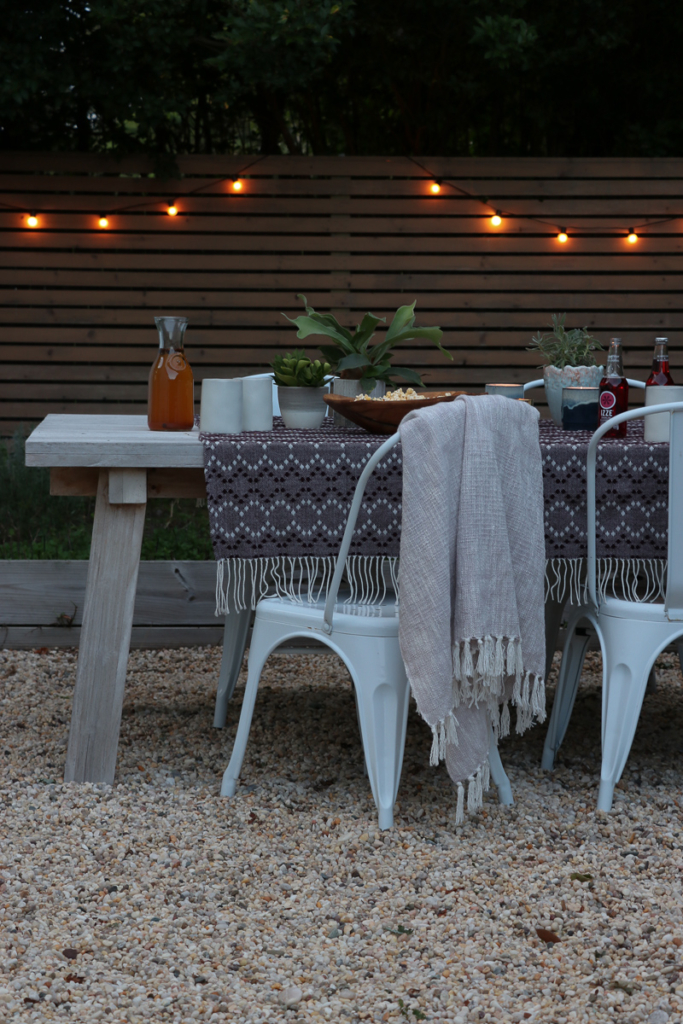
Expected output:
{"points": [[613, 390], [170, 404], [660, 375]]}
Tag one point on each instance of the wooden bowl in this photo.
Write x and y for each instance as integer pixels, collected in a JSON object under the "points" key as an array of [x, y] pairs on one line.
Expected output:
{"points": [[381, 417]]}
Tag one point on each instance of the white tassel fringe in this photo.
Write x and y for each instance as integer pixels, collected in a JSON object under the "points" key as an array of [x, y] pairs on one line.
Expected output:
{"points": [[242, 582], [636, 579]]}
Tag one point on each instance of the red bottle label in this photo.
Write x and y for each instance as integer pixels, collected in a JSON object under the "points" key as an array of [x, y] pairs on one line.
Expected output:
{"points": [[607, 400]]}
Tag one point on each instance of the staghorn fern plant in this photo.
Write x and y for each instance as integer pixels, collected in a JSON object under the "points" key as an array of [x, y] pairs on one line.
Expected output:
{"points": [[352, 355], [566, 348]]}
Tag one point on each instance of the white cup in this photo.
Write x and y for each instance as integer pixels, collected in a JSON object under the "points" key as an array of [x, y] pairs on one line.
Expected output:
{"points": [[221, 407], [257, 403], [657, 427]]}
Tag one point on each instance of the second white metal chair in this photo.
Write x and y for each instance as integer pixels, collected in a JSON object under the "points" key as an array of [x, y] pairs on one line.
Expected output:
{"points": [[631, 633]]}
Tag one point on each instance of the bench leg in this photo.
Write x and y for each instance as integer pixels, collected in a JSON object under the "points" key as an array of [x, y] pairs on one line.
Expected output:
{"points": [[107, 623]]}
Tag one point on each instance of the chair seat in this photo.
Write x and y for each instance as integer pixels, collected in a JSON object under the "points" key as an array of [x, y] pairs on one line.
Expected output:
{"points": [[365, 619], [636, 610]]}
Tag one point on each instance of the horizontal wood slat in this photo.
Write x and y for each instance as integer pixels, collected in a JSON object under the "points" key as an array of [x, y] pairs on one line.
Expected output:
{"points": [[354, 234]]}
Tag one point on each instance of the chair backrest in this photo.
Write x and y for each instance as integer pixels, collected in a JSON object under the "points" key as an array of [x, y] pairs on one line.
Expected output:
{"points": [[673, 602], [541, 383], [260, 376], [276, 402], [350, 526]]}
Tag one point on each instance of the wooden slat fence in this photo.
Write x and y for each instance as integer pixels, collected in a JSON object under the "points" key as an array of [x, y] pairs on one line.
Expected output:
{"points": [[353, 233]]}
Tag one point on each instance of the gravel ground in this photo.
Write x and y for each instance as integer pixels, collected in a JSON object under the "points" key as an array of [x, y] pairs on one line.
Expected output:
{"points": [[156, 900]]}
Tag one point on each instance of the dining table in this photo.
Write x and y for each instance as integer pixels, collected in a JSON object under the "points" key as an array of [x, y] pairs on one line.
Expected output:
{"points": [[277, 507]]}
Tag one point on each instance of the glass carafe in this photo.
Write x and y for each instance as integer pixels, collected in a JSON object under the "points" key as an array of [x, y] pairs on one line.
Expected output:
{"points": [[171, 384]]}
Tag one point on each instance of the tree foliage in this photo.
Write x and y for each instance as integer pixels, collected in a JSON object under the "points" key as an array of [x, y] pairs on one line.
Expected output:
{"points": [[451, 77]]}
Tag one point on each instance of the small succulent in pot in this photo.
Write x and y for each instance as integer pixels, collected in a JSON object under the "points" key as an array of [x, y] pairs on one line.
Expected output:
{"points": [[301, 386], [570, 358], [353, 357], [296, 370]]}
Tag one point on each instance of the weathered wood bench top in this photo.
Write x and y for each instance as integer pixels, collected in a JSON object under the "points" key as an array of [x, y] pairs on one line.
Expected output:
{"points": [[111, 441]]}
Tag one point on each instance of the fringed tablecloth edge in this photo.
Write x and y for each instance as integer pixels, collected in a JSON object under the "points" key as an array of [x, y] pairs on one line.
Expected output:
{"points": [[242, 582]]}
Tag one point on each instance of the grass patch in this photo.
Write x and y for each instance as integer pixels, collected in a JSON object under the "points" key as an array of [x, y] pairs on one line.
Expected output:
{"points": [[35, 525]]}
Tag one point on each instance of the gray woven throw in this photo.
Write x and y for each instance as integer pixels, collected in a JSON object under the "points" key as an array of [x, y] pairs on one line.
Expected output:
{"points": [[471, 624]]}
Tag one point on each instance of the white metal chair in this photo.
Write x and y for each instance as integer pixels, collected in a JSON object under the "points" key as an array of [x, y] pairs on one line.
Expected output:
{"points": [[631, 633], [366, 639]]}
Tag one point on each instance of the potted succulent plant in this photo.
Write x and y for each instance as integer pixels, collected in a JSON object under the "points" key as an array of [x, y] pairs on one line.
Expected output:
{"points": [[359, 365], [301, 386], [571, 362]]}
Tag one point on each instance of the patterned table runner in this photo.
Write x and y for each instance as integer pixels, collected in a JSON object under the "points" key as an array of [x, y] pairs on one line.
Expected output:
{"points": [[278, 503]]}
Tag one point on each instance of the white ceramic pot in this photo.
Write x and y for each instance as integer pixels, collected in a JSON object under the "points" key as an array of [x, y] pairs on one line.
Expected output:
{"points": [[555, 379], [351, 389], [302, 408]]}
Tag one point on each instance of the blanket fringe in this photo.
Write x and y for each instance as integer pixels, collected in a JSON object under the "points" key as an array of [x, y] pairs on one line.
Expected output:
{"points": [[242, 582], [444, 732], [477, 784]]}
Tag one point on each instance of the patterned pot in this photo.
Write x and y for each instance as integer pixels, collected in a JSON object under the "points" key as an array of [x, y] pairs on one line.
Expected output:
{"points": [[570, 377], [302, 408], [351, 389]]}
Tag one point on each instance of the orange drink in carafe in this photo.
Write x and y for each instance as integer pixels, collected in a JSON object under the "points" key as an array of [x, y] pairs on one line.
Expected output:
{"points": [[170, 403]]}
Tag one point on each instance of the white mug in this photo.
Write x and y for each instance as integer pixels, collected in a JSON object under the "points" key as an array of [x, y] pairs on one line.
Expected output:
{"points": [[221, 407], [657, 427], [257, 403]]}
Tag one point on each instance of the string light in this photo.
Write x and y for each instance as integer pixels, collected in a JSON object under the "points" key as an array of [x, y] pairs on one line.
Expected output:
{"points": [[435, 186]]}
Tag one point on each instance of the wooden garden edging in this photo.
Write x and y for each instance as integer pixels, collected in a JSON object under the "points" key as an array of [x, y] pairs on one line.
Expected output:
{"points": [[41, 604], [353, 233]]}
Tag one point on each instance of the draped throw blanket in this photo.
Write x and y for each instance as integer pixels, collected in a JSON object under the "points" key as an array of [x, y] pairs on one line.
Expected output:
{"points": [[472, 557]]}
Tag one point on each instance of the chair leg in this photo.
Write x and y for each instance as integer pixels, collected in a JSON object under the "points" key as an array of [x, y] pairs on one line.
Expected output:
{"points": [[627, 656], [234, 642], [573, 657], [498, 775], [261, 646], [383, 695]]}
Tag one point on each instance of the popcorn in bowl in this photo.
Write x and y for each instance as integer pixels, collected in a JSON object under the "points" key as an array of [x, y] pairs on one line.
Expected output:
{"points": [[409, 395]]}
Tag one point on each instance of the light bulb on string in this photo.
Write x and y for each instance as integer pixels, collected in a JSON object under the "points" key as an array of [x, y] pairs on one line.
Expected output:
{"points": [[237, 184], [103, 221], [32, 220], [435, 187], [172, 209], [496, 220], [632, 236], [562, 236]]}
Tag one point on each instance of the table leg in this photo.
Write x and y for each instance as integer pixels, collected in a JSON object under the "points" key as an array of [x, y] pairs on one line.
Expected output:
{"points": [[234, 642], [553, 621], [107, 623]]}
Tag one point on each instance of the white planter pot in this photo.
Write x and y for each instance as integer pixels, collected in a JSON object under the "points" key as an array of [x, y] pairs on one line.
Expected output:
{"points": [[302, 408], [351, 389], [570, 377]]}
